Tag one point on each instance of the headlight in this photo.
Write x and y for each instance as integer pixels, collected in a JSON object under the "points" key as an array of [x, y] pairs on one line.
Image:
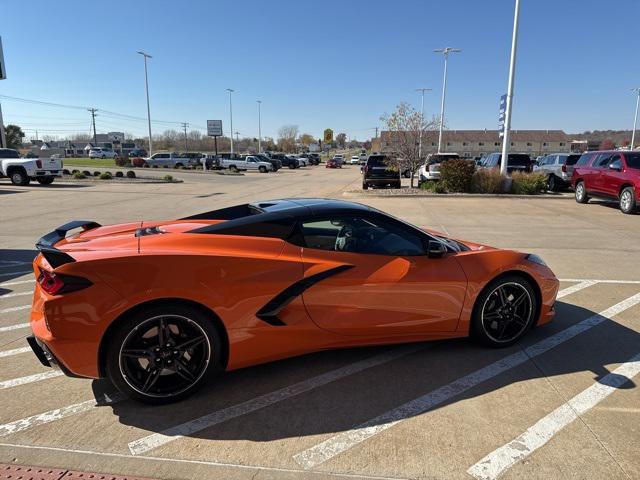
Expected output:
{"points": [[535, 259]]}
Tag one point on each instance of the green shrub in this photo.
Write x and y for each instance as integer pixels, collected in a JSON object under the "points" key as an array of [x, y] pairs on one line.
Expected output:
{"points": [[121, 161], [439, 188], [78, 175], [168, 178], [131, 174], [455, 175], [74, 171], [86, 173], [96, 174], [528, 183], [487, 180], [119, 174], [106, 176], [429, 186]]}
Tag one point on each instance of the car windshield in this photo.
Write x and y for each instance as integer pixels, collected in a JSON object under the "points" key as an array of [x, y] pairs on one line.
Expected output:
{"points": [[377, 161], [520, 160], [633, 159]]}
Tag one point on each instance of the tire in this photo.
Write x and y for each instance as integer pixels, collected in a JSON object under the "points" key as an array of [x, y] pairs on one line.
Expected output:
{"points": [[45, 180], [19, 177], [627, 201], [365, 186], [581, 193], [552, 183], [262, 169], [233, 168], [179, 165], [170, 382], [518, 307], [397, 185], [291, 166]]}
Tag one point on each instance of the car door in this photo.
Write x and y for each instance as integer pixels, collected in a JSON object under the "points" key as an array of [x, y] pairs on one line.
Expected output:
{"points": [[386, 285], [599, 167], [613, 176]]}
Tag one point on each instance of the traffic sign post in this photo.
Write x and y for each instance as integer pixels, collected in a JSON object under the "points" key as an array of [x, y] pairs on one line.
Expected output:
{"points": [[214, 129], [3, 75], [501, 114]]}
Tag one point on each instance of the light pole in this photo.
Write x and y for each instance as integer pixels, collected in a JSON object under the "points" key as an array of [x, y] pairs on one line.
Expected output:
{"points": [[259, 127], [230, 90], [512, 70], [635, 118], [146, 83], [421, 90], [445, 51]]}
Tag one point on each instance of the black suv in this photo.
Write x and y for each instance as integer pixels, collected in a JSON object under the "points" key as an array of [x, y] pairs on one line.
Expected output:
{"points": [[286, 160], [376, 172], [515, 162], [277, 164], [313, 158]]}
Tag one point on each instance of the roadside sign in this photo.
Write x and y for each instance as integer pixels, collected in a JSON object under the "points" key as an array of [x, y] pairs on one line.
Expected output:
{"points": [[328, 135], [3, 72], [501, 113], [214, 128]]}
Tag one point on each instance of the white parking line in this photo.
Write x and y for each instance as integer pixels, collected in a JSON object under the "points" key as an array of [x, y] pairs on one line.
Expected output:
{"points": [[16, 382], [11, 263], [15, 351], [575, 288], [24, 272], [14, 327], [342, 442], [57, 414], [15, 294], [630, 282], [15, 309], [155, 440], [20, 282], [501, 459]]}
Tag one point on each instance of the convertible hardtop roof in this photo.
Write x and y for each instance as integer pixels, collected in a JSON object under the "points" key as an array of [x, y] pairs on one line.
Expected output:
{"points": [[273, 218]]}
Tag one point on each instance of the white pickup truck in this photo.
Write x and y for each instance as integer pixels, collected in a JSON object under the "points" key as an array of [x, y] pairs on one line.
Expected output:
{"points": [[249, 162], [22, 170], [170, 159]]}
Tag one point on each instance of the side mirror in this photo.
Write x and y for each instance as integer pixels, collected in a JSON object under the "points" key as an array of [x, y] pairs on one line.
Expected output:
{"points": [[615, 166], [435, 249]]}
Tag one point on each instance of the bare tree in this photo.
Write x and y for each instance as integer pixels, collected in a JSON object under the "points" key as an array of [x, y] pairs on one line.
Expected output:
{"points": [[403, 127], [341, 139], [287, 138], [306, 139]]}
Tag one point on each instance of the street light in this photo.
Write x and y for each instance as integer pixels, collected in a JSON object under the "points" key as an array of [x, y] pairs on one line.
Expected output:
{"points": [[635, 118], [230, 90], [259, 102], [507, 114], [445, 51], [146, 83], [421, 90]]}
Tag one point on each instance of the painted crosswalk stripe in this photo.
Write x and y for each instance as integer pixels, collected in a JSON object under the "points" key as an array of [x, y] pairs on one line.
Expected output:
{"points": [[15, 351], [15, 309], [342, 442], [17, 326], [501, 459], [19, 282], [8, 274], [575, 288], [16, 382], [155, 440], [58, 414], [15, 294]]}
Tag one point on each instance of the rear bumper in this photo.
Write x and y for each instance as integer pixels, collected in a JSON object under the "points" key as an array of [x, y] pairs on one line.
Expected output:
{"points": [[381, 181], [47, 358], [48, 173]]}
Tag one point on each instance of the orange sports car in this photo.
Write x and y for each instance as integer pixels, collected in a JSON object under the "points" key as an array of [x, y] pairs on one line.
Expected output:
{"points": [[160, 307]]}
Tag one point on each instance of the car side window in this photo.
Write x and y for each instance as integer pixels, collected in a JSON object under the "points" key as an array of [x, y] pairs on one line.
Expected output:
{"points": [[602, 160], [360, 235], [615, 162]]}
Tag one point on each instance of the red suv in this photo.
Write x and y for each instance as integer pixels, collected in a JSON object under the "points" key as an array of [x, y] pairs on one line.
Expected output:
{"points": [[608, 175]]}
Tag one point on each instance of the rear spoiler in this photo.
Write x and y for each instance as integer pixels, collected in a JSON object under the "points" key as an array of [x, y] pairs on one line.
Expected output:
{"points": [[46, 243]]}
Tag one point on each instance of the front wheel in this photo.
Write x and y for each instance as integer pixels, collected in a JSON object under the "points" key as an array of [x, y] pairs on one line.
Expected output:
{"points": [[504, 311], [552, 183], [262, 169], [627, 201], [45, 180], [581, 193], [164, 354]]}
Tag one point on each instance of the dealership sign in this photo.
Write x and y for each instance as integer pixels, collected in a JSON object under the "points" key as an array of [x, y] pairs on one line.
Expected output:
{"points": [[214, 128]]}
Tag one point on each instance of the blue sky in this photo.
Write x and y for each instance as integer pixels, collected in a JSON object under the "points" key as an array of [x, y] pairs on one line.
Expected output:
{"points": [[318, 64]]}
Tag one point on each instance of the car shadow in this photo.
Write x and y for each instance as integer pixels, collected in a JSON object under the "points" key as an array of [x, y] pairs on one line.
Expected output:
{"points": [[14, 263], [347, 402]]}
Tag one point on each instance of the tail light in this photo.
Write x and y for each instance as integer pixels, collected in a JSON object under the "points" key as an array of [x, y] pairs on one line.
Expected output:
{"points": [[564, 168], [56, 284], [39, 163]]}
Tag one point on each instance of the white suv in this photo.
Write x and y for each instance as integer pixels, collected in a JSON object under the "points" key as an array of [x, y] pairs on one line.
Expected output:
{"points": [[99, 152]]}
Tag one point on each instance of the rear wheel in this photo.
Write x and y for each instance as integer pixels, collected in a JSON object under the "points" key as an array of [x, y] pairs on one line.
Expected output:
{"points": [[262, 169], [45, 180], [19, 177], [552, 183], [365, 186], [292, 166], [164, 354], [504, 311], [627, 200], [581, 193]]}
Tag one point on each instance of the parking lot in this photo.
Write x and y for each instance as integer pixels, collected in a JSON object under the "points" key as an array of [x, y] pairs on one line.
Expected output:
{"points": [[562, 403]]}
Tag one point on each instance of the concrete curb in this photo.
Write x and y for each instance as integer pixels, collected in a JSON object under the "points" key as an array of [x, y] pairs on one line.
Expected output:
{"points": [[458, 195]]}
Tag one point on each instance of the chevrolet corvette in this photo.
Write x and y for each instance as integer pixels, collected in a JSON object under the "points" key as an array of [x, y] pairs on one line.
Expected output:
{"points": [[161, 307]]}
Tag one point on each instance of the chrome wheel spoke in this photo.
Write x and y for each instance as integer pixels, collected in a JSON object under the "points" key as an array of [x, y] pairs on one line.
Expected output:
{"points": [[153, 377], [183, 371], [503, 296], [190, 343], [135, 352], [518, 301]]}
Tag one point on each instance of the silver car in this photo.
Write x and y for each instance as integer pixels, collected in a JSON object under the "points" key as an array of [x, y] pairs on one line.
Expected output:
{"points": [[558, 168]]}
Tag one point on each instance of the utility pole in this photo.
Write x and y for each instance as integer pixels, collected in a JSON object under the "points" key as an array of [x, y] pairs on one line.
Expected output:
{"points": [[230, 90], [445, 51], [512, 70], [421, 90], [184, 127], [3, 137], [635, 118], [237, 138], [93, 122], [259, 127], [146, 83]]}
